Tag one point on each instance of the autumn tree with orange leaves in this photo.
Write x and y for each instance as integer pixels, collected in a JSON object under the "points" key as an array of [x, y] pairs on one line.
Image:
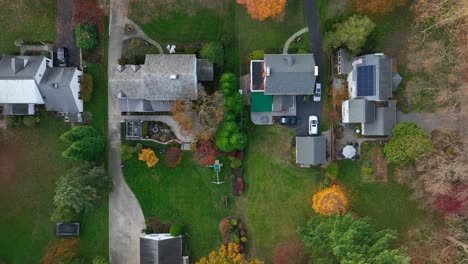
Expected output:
{"points": [[263, 9], [148, 156], [330, 201], [229, 254]]}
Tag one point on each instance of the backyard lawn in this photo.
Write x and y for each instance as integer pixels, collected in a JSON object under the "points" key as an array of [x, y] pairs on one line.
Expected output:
{"points": [[278, 195], [185, 195], [20, 19], [30, 164], [387, 204]]}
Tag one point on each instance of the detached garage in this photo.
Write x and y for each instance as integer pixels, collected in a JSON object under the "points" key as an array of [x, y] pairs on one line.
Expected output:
{"points": [[311, 150]]}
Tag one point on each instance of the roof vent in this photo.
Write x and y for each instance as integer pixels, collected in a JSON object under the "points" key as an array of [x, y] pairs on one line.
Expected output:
{"points": [[55, 85], [268, 71], [288, 60], [173, 77], [121, 68], [135, 68]]}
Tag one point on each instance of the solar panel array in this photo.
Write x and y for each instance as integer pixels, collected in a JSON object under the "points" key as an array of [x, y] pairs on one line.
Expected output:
{"points": [[366, 80]]}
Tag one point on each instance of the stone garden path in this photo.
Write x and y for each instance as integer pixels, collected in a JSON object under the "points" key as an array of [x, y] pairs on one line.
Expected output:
{"points": [[293, 37], [140, 34]]}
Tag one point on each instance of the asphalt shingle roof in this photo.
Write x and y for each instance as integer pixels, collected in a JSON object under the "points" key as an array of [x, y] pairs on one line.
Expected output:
{"points": [[162, 77], [290, 74]]}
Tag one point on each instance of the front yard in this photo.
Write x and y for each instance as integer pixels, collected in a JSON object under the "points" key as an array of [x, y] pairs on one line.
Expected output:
{"points": [[186, 195]]}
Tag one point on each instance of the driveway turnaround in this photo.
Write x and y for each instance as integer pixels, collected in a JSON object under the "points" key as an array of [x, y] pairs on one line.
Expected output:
{"points": [[126, 219]]}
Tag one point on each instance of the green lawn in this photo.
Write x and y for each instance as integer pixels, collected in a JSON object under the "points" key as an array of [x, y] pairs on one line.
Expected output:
{"points": [[270, 34], [32, 21], [28, 187], [183, 194], [387, 204], [95, 223], [278, 195]]}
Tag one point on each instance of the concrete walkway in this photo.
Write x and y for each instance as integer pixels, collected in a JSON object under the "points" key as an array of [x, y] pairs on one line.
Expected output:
{"points": [[294, 36], [140, 34], [430, 121], [184, 137], [126, 219]]}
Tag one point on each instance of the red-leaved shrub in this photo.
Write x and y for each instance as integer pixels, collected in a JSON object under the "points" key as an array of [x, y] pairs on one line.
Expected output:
{"points": [[206, 152], [173, 157]]}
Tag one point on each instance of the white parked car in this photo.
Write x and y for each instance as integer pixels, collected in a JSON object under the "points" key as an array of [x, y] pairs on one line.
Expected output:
{"points": [[318, 92], [313, 125]]}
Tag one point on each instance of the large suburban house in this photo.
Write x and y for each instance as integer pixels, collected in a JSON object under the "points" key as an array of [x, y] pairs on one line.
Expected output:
{"points": [[157, 84], [275, 82], [27, 81], [371, 80], [161, 249]]}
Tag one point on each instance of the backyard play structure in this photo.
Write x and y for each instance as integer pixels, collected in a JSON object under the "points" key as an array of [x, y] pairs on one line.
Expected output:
{"points": [[217, 169]]}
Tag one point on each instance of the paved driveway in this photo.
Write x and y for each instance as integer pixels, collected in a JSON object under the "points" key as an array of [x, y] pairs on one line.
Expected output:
{"points": [[307, 108], [66, 33], [126, 219]]}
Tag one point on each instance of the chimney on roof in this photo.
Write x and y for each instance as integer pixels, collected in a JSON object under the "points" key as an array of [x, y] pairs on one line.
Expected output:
{"points": [[173, 76], [289, 60], [18, 64], [55, 85]]}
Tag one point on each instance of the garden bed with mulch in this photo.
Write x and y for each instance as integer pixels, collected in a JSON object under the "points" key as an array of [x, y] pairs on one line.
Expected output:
{"points": [[374, 165], [134, 50]]}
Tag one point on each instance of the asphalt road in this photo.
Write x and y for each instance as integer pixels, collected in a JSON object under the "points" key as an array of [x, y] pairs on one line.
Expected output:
{"points": [[307, 108]]}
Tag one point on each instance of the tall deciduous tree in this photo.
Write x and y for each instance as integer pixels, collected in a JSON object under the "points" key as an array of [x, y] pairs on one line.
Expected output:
{"points": [[376, 7], [352, 33], [263, 9], [342, 239], [330, 201], [407, 144], [229, 254]]}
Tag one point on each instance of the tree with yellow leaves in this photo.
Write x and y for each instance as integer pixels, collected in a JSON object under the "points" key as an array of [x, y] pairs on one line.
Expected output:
{"points": [[262, 9], [330, 201], [229, 254], [148, 156]]}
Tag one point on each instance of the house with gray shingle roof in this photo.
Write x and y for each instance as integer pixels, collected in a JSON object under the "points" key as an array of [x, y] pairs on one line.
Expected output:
{"points": [[371, 80], [311, 151], [156, 85], [275, 82], [26, 81], [161, 249]]}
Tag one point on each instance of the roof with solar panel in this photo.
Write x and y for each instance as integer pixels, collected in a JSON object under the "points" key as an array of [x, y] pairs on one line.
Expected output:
{"points": [[372, 76]]}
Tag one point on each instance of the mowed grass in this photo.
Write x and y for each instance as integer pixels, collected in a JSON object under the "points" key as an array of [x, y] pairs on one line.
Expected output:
{"points": [[27, 192], [388, 204], [95, 223], [270, 33], [184, 194], [32, 21], [278, 195], [34, 155]]}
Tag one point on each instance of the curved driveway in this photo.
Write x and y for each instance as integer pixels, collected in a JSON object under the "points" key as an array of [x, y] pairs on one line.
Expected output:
{"points": [[126, 219]]}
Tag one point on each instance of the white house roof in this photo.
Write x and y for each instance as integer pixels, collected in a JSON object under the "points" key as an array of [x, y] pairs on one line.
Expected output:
{"points": [[20, 92]]}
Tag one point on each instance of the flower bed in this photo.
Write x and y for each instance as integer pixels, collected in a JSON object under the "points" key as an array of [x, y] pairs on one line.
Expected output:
{"points": [[233, 231]]}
